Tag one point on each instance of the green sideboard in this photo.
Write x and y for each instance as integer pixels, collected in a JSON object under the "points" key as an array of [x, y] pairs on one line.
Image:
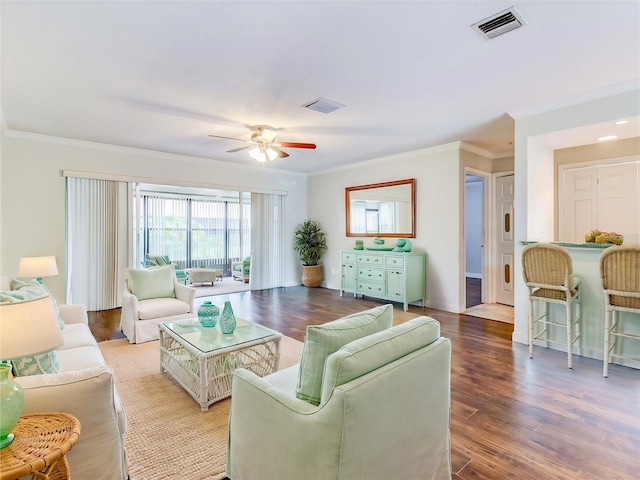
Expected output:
{"points": [[395, 276]]}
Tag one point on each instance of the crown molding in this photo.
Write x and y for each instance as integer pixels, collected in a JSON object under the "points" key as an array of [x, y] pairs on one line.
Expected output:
{"points": [[481, 151], [592, 95], [398, 156], [133, 151]]}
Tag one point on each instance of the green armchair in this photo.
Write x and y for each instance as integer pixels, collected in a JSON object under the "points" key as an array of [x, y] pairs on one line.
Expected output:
{"points": [[158, 260], [384, 413]]}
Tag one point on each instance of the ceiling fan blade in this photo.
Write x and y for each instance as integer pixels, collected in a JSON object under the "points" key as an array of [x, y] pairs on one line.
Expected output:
{"points": [[230, 138], [239, 148], [296, 145], [281, 153]]}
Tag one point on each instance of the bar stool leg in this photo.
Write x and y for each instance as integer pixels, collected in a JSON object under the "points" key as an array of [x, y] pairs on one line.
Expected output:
{"points": [[579, 322], [607, 339], [569, 309], [547, 326], [530, 327]]}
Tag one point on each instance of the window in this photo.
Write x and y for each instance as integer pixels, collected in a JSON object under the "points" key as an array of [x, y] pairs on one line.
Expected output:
{"points": [[195, 231]]}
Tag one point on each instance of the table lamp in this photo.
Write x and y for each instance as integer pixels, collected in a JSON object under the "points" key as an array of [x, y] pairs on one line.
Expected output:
{"points": [[28, 327], [38, 267]]}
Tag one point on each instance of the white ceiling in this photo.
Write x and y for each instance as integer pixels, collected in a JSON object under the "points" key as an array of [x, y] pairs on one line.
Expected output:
{"points": [[163, 75]]}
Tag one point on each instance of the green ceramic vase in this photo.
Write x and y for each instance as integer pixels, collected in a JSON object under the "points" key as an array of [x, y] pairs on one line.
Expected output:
{"points": [[227, 319], [11, 405], [208, 314]]}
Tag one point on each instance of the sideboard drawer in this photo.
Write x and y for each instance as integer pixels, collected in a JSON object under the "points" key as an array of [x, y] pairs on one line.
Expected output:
{"points": [[397, 262], [370, 288], [370, 274], [348, 257], [366, 259]]}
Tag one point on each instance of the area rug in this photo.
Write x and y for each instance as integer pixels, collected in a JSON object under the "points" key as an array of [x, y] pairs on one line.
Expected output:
{"points": [[227, 285], [168, 436]]}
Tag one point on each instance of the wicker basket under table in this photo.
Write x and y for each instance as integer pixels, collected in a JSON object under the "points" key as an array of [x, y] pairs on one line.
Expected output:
{"points": [[39, 448], [203, 366]]}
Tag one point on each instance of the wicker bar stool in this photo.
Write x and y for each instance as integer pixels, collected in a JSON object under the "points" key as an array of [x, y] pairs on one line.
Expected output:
{"points": [[620, 276], [548, 274]]}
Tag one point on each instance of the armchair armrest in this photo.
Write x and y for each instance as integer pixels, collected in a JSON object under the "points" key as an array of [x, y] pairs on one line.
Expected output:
{"points": [[74, 314], [129, 313], [186, 294], [270, 430]]}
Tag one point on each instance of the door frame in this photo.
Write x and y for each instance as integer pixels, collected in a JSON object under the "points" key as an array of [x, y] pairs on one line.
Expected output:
{"points": [[487, 243]]}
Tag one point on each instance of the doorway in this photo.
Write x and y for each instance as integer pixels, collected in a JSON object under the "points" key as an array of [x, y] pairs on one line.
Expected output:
{"points": [[480, 276], [474, 220]]}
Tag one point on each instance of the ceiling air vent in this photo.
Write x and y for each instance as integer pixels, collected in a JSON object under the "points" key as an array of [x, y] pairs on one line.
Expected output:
{"points": [[501, 22], [322, 105]]}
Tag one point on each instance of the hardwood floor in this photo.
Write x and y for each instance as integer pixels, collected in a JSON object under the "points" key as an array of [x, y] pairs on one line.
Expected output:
{"points": [[474, 291], [511, 417]]}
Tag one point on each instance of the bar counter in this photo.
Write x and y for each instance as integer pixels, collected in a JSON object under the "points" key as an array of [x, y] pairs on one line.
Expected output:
{"points": [[586, 265]]}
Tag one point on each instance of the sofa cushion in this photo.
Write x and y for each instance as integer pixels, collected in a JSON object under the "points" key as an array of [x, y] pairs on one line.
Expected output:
{"points": [[36, 364], [323, 340], [152, 282], [369, 353], [30, 290], [77, 335], [80, 358], [161, 307]]}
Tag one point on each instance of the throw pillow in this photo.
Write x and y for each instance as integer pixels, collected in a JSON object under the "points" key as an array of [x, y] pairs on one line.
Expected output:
{"points": [[36, 364], [155, 282], [157, 260], [29, 291], [323, 340]]}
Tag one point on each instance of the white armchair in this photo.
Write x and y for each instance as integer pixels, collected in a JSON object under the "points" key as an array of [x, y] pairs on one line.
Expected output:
{"points": [[384, 413], [152, 296]]}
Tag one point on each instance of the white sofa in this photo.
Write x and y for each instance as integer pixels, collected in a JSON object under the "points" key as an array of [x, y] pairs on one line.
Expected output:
{"points": [[85, 388]]}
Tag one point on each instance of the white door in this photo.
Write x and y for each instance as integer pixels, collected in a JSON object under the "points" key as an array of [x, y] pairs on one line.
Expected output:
{"points": [[580, 212], [504, 245], [601, 197], [618, 200]]}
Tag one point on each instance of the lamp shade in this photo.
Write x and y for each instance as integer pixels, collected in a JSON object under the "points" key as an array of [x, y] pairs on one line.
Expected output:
{"points": [[38, 267], [28, 327]]}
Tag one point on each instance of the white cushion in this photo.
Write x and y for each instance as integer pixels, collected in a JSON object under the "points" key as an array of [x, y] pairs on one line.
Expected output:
{"points": [[161, 307], [80, 358], [152, 282], [77, 335]]}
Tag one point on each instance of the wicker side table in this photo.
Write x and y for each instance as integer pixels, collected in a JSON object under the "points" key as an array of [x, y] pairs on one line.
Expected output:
{"points": [[39, 448]]}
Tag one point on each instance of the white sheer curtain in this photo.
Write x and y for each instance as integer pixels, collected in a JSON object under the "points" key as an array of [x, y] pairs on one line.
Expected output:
{"points": [[96, 241], [358, 212], [267, 241]]}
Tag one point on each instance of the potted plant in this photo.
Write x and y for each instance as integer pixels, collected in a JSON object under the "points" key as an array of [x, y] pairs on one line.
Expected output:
{"points": [[310, 243]]}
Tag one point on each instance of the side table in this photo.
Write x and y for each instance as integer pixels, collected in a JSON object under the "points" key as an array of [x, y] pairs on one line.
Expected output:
{"points": [[39, 448]]}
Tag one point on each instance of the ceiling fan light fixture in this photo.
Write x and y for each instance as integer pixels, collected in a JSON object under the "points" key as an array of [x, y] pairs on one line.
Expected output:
{"points": [[261, 155]]}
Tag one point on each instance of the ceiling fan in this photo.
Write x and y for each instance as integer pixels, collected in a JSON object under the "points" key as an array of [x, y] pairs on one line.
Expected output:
{"points": [[262, 145]]}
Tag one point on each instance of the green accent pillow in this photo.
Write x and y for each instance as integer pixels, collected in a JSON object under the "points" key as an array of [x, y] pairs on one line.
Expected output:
{"points": [[157, 260], [323, 340], [155, 282], [36, 364], [369, 353], [29, 291]]}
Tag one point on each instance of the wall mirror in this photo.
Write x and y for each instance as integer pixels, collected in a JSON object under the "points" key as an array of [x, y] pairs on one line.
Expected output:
{"points": [[381, 209]]}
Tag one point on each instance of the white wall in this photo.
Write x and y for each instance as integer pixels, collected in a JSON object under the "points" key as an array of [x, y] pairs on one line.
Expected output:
{"points": [[530, 205], [438, 204], [33, 192]]}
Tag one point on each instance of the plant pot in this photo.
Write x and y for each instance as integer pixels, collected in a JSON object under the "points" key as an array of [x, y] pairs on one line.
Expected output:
{"points": [[312, 275]]}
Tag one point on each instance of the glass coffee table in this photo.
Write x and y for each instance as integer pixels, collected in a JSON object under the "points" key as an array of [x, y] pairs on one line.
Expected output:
{"points": [[202, 359]]}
